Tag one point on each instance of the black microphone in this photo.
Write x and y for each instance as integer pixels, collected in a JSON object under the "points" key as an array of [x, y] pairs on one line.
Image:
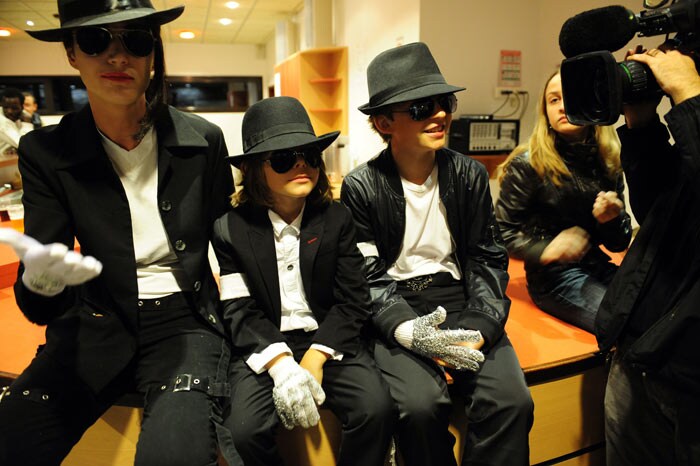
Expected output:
{"points": [[609, 28]]}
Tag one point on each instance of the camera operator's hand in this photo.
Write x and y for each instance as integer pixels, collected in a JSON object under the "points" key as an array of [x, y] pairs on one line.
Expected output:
{"points": [[642, 113], [607, 206], [674, 71], [569, 245]]}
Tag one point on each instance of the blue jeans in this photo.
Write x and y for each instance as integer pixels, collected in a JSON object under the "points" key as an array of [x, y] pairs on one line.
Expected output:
{"points": [[49, 408], [572, 294], [648, 421]]}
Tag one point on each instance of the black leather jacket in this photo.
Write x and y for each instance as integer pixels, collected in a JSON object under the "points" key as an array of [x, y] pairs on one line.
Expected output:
{"points": [[374, 194], [532, 211], [653, 303]]}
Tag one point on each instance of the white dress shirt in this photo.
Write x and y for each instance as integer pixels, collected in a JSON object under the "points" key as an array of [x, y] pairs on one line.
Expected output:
{"points": [[296, 312]]}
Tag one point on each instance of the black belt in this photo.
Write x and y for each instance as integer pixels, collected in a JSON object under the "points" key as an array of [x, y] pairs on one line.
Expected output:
{"points": [[168, 301], [422, 282]]}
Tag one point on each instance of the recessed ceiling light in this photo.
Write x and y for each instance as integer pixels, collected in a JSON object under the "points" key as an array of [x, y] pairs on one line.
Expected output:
{"points": [[232, 5], [225, 21], [30, 22], [187, 35], [5, 33]]}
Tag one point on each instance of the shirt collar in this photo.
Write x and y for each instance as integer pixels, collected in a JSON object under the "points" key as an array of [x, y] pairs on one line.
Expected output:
{"points": [[279, 225]]}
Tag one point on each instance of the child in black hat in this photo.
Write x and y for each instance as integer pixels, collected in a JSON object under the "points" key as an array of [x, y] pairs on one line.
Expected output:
{"points": [[139, 185], [294, 296], [435, 260]]}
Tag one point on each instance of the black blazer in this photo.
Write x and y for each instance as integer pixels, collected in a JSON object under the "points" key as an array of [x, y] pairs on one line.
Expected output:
{"points": [[331, 269], [71, 191]]}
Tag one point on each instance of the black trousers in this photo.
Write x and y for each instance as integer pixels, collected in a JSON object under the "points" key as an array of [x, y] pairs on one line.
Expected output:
{"points": [[48, 408], [497, 402], [355, 393]]}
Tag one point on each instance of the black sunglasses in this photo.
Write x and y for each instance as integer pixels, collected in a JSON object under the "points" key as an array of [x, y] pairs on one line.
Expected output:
{"points": [[94, 40], [423, 109], [282, 161]]}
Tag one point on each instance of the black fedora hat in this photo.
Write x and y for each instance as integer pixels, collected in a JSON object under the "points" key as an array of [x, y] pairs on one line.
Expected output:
{"points": [[278, 123], [407, 72], [79, 13]]}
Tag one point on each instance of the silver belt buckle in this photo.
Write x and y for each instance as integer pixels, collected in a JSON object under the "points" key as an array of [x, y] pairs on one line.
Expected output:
{"points": [[183, 383], [419, 283]]}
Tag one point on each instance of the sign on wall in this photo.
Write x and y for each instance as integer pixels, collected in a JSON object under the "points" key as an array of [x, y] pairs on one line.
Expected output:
{"points": [[509, 70]]}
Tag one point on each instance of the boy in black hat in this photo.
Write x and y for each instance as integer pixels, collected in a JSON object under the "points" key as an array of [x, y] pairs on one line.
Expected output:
{"points": [[295, 297], [139, 185], [435, 261]]}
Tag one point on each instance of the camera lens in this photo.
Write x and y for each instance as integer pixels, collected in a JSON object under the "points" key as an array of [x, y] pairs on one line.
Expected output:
{"points": [[638, 82]]}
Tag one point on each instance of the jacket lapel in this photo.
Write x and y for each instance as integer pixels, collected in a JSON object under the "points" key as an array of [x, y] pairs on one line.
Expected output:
{"points": [[309, 241], [174, 168], [262, 244]]}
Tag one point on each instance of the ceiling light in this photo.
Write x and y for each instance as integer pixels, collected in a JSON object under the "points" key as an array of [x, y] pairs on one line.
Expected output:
{"points": [[187, 35], [30, 22], [5, 33], [232, 5], [225, 21]]}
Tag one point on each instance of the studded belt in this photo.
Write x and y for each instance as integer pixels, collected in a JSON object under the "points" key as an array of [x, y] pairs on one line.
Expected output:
{"points": [[422, 282]]}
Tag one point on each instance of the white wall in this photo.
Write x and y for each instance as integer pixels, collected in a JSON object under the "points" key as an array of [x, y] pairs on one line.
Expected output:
{"points": [[369, 27], [467, 42]]}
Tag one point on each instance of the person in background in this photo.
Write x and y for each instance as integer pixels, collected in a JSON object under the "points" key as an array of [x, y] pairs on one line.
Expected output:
{"points": [[12, 128], [437, 269], [651, 312], [295, 297], [30, 110], [561, 197], [139, 185]]}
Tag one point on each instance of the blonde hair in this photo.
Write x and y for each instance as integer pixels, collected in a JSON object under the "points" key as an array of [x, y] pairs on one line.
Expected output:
{"points": [[253, 186], [544, 157]]}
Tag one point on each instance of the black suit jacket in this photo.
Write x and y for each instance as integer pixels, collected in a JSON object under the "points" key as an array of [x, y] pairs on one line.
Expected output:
{"points": [[331, 269], [71, 191]]}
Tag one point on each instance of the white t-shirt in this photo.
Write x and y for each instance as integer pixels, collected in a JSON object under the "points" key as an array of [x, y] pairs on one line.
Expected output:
{"points": [[158, 271], [427, 246]]}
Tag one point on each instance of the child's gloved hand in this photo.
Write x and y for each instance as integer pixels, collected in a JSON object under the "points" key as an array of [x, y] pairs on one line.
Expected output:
{"points": [[296, 394], [422, 336], [48, 269]]}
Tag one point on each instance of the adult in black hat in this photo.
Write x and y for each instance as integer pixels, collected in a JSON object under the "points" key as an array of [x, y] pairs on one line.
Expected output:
{"points": [[138, 184], [435, 261], [295, 297]]}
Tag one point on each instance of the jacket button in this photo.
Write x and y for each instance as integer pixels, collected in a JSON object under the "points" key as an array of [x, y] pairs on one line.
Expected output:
{"points": [[212, 319], [166, 206], [290, 267], [180, 245], [197, 285]]}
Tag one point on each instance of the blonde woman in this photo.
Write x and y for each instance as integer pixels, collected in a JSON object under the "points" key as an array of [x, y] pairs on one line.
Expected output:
{"points": [[561, 198]]}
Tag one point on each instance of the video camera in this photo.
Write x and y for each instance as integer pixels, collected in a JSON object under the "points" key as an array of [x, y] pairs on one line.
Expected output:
{"points": [[594, 85]]}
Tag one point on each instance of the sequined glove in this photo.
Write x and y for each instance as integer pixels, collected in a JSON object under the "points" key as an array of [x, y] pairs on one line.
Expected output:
{"points": [[422, 336], [48, 269], [296, 394]]}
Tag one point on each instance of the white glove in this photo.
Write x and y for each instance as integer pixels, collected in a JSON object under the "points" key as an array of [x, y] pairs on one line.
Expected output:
{"points": [[422, 336], [296, 394], [48, 269]]}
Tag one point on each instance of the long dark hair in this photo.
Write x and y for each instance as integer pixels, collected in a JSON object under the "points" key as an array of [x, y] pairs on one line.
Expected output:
{"points": [[254, 188]]}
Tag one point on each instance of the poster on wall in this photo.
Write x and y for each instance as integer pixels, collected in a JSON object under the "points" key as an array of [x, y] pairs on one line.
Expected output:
{"points": [[509, 69]]}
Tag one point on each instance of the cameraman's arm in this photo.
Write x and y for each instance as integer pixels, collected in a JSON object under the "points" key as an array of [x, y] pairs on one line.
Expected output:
{"points": [[649, 161]]}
